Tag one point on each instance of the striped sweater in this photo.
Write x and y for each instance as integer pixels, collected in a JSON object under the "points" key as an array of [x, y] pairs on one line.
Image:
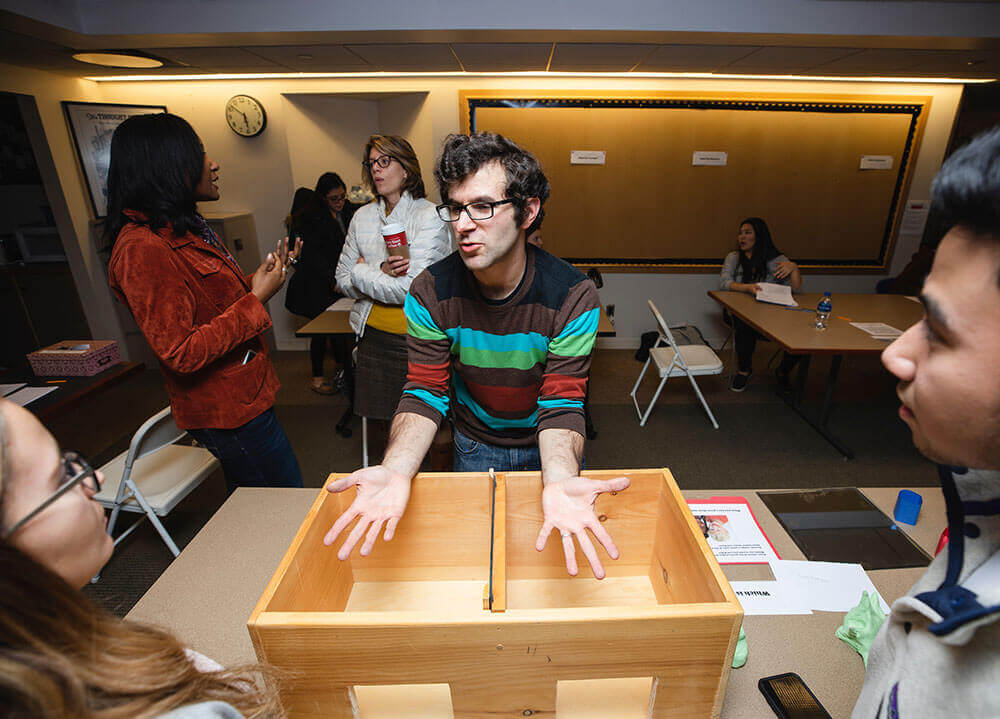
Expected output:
{"points": [[507, 369]]}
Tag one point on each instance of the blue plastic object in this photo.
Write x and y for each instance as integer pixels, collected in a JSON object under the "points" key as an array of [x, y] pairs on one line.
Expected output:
{"points": [[907, 507]]}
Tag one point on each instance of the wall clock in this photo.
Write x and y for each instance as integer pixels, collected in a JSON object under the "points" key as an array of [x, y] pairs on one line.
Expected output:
{"points": [[245, 116]]}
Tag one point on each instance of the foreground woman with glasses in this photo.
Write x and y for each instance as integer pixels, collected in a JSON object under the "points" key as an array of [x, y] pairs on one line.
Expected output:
{"points": [[61, 656], [379, 281]]}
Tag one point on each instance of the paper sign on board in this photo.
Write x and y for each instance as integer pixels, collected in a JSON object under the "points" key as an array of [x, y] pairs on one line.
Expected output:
{"points": [[876, 162], [587, 157], [711, 158]]}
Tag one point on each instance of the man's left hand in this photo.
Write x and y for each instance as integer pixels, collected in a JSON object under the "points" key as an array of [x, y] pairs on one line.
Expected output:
{"points": [[568, 506]]}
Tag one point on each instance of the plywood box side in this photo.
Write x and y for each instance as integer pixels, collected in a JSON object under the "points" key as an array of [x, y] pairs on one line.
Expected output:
{"points": [[401, 654], [628, 516], [682, 562], [315, 578], [566, 617], [288, 578], [445, 532]]}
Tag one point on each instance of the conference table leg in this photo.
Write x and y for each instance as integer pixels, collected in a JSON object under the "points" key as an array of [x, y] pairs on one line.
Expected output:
{"points": [[820, 424]]}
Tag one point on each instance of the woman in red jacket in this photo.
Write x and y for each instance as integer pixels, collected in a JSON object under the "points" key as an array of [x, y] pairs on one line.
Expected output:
{"points": [[201, 315]]}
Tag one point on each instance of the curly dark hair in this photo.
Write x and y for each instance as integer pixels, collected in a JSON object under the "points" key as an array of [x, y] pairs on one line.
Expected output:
{"points": [[966, 191], [463, 155]]}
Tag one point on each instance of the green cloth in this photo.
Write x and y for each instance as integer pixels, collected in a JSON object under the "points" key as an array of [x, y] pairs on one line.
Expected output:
{"points": [[861, 624], [740, 655]]}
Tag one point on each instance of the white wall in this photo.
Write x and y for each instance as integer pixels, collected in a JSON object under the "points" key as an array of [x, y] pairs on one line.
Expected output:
{"points": [[328, 136], [260, 174]]}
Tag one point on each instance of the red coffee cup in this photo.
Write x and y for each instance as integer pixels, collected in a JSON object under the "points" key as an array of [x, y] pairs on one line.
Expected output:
{"points": [[394, 235]]}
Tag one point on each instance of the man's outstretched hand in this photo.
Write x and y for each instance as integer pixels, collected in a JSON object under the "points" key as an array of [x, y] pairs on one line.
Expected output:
{"points": [[381, 499], [568, 506]]}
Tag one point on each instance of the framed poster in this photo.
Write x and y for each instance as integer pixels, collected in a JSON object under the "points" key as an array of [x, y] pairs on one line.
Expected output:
{"points": [[92, 125]]}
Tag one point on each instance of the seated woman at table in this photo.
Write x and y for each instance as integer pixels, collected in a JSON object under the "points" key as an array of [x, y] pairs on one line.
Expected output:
{"points": [[61, 655], [322, 224], [756, 260], [379, 282], [202, 317]]}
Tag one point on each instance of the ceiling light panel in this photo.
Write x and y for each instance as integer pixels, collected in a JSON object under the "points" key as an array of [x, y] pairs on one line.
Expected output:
{"points": [[214, 58], [706, 58], [502, 57], [789, 59], [320, 58], [408, 57], [598, 57]]}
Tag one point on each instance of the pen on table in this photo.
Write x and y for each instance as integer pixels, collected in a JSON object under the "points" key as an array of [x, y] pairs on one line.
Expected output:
{"points": [[846, 319], [54, 381]]}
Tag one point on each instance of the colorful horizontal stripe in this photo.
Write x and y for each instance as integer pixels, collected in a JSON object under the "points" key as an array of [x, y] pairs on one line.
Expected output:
{"points": [[512, 368]]}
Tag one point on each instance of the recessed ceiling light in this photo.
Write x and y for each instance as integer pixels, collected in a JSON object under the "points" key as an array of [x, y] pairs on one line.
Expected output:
{"points": [[113, 59]]}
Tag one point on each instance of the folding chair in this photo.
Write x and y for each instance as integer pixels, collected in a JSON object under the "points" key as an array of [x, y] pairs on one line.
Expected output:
{"points": [[673, 361], [153, 476]]}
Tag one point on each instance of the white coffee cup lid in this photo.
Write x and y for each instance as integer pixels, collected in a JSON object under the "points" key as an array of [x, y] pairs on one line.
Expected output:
{"points": [[393, 228]]}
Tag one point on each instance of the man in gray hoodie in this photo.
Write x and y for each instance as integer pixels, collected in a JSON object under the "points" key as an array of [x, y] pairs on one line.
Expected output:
{"points": [[938, 653]]}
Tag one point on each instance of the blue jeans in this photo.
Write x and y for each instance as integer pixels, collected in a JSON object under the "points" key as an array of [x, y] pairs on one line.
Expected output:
{"points": [[474, 456], [256, 454]]}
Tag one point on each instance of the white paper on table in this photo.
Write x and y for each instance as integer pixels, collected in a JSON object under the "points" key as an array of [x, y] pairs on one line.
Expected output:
{"points": [[775, 294], [732, 531], [29, 394], [6, 389], [878, 330], [827, 586], [760, 598], [344, 304]]}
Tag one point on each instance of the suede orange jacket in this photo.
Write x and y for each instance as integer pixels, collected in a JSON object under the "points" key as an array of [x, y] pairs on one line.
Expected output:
{"points": [[195, 308]]}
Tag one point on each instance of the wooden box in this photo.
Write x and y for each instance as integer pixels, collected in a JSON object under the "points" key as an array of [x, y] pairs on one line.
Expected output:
{"points": [[461, 597]]}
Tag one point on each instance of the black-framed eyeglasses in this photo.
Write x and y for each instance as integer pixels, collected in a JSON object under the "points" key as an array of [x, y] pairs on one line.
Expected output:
{"points": [[481, 210], [76, 471], [382, 161]]}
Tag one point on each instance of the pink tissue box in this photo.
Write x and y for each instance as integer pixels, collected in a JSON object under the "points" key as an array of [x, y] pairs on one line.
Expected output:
{"points": [[75, 358]]}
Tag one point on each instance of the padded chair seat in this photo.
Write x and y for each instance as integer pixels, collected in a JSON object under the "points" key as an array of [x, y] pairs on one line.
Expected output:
{"points": [[700, 359], [156, 476]]}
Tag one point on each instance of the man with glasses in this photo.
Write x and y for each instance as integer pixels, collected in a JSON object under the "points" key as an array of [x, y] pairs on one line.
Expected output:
{"points": [[500, 335]]}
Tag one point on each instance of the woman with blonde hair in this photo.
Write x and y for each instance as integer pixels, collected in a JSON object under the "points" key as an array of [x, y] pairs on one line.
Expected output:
{"points": [[379, 281], [61, 657]]}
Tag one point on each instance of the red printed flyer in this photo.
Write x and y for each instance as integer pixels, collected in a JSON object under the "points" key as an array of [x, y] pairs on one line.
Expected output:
{"points": [[732, 531]]}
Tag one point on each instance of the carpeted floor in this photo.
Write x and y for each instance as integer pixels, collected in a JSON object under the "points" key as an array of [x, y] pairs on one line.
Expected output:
{"points": [[760, 442]]}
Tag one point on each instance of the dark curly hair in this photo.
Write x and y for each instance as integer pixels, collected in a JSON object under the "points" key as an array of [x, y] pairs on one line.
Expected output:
{"points": [[463, 155], [966, 191]]}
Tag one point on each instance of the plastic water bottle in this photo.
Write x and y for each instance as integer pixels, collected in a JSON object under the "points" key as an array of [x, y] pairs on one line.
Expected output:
{"points": [[823, 310]]}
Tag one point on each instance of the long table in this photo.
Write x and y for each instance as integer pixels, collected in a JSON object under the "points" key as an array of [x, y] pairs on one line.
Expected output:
{"points": [[793, 329], [206, 595]]}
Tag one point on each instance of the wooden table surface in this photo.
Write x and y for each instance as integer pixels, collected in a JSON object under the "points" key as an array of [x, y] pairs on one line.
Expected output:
{"points": [[206, 595], [71, 391], [793, 329]]}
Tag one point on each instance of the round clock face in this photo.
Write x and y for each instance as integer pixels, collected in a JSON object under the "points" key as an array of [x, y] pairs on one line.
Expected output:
{"points": [[245, 116]]}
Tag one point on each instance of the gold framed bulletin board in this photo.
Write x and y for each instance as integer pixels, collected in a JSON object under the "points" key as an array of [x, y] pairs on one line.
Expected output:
{"points": [[794, 160]]}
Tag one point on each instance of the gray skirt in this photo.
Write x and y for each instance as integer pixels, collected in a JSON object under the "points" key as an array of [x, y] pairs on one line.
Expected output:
{"points": [[380, 374]]}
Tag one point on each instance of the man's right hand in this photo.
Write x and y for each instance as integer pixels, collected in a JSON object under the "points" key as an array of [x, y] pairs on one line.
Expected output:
{"points": [[381, 499]]}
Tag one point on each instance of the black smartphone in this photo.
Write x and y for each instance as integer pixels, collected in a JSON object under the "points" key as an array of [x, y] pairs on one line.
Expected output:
{"points": [[790, 698]]}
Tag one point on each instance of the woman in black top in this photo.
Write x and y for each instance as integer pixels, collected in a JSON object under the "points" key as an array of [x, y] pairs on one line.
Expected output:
{"points": [[322, 224]]}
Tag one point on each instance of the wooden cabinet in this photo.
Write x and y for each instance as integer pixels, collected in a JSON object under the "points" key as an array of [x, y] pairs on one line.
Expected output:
{"points": [[461, 597]]}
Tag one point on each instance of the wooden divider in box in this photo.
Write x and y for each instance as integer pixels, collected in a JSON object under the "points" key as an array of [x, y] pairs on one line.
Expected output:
{"points": [[412, 612]]}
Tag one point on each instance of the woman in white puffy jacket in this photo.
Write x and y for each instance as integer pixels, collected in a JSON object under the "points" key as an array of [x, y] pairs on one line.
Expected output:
{"points": [[379, 282]]}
